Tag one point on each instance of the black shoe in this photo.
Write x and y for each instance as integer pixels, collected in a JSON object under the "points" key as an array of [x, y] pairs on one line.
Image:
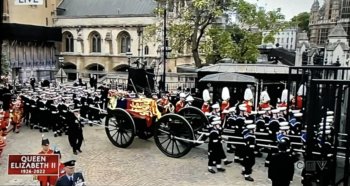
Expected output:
{"points": [[258, 154], [211, 171], [55, 135], [237, 160], [221, 169], [80, 151], [267, 164], [75, 153], [227, 162], [249, 178]]}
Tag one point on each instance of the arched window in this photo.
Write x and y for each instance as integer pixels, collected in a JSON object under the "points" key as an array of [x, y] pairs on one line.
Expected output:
{"points": [[124, 42], [68, 41], [95, 41], [146, 50]]}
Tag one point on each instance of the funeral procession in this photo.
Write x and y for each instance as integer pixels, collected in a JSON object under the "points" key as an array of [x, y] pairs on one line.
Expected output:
{"points": [[175, 92]]}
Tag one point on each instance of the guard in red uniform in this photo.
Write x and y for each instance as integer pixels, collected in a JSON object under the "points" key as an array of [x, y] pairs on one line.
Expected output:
{"points": [[17, 113], [225, 104], [181, 103], [206, 98], [248, 99], [45, 180], [300, 94], [2, 140], [264, 100]]}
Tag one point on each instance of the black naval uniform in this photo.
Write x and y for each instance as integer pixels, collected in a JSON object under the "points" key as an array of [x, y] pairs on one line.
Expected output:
{"points": [[75, 132], [281, 169], [248, 155]]}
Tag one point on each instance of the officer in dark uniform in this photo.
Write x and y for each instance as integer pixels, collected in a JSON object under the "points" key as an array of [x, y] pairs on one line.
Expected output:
{"points": [[32, 83], [248, 152], [75, 132], [71, 178], [281, 169]]}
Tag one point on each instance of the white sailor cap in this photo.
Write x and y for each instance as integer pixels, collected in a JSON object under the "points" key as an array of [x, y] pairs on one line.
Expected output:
{"points": [[242, 107], [248, 122], [284, 127], [225, 111], [298, 114], [327, 124], [216, 122], [295, 111], [328, 127], [232, 109], [189, 98], [330, 117], [251, 126], [215, 106], [282, 108], [182, 95], [284, 123], [275, 111], [254, 112], [329, 113], [217, 119], [326, 132], [261, 112], [207, 114]]}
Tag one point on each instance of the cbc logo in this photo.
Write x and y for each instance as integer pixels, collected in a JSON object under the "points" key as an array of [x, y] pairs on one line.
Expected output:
{"points": [[300, 164]]}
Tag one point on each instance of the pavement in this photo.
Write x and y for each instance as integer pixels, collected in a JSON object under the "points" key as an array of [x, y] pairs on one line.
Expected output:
{"points": [[142, 163]]}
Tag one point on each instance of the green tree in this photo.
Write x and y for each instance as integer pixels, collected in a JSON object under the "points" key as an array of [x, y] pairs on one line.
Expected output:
{"points": [[302, 21], [195, 25], [241, 42]]}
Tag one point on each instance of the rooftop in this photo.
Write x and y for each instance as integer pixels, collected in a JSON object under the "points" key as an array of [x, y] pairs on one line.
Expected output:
{"points": [[106, 8]]}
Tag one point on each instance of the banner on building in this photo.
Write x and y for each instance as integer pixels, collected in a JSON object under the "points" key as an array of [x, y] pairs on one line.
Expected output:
{"points": [[40, 164], [28, 2]]}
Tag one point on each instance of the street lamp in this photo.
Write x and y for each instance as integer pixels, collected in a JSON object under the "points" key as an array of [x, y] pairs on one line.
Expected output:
{"points": [[61, 60]]}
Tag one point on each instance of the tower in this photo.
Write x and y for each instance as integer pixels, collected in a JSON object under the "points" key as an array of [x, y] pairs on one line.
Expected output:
{"points": [[314, 16]]}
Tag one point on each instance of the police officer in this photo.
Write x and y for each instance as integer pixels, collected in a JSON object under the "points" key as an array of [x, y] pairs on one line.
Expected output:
{"points": [[281, 169]]}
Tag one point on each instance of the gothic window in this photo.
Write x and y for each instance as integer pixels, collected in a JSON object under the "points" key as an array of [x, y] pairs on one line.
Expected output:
{"points": [[95, 42], [124, 42], [68, 42], [146, 50]]}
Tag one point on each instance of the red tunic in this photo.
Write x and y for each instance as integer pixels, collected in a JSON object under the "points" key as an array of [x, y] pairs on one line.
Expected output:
{"points": [[283, 104], [264, 105], [45, 179], [225, 105], [2, 144], [205, 107], [179, 105], [299, 102], [248, 105]]}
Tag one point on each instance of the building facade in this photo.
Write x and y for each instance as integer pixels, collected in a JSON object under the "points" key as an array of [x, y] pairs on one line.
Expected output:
{"points": [[29, 45], [107, 37], [286, 39], [324, 18]]}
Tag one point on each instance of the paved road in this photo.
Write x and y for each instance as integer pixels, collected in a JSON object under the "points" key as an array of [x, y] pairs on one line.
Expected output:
{"points": [[141, 164]]}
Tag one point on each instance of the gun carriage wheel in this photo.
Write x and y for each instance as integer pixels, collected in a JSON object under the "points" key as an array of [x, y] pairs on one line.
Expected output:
{"points": [[196, 118], [173, 135], [120, 127]]}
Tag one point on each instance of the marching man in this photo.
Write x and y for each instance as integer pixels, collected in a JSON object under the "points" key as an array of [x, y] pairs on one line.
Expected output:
{"points": [[248, 99], [206, 99], [215, 150], [264, 99], [284, 98], [45, 180], [248, 152]]}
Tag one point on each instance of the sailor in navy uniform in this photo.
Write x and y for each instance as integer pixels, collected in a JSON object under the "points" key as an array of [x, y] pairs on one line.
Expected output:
{"points": [[215, 150], [248, 152], [281, 169], [71, 178]]}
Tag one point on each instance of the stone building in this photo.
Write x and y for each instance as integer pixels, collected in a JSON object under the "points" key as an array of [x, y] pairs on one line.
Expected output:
{"points": [[106, 37], [29, 44], [286, 39], [324, 18]]}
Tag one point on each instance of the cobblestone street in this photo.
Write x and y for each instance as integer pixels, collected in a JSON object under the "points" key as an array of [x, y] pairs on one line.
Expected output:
{"points": [[141, 164]]}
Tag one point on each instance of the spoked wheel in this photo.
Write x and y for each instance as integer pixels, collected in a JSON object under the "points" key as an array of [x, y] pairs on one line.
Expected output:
{"points": [[195, 118], [173, 135], [120, 128]]}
